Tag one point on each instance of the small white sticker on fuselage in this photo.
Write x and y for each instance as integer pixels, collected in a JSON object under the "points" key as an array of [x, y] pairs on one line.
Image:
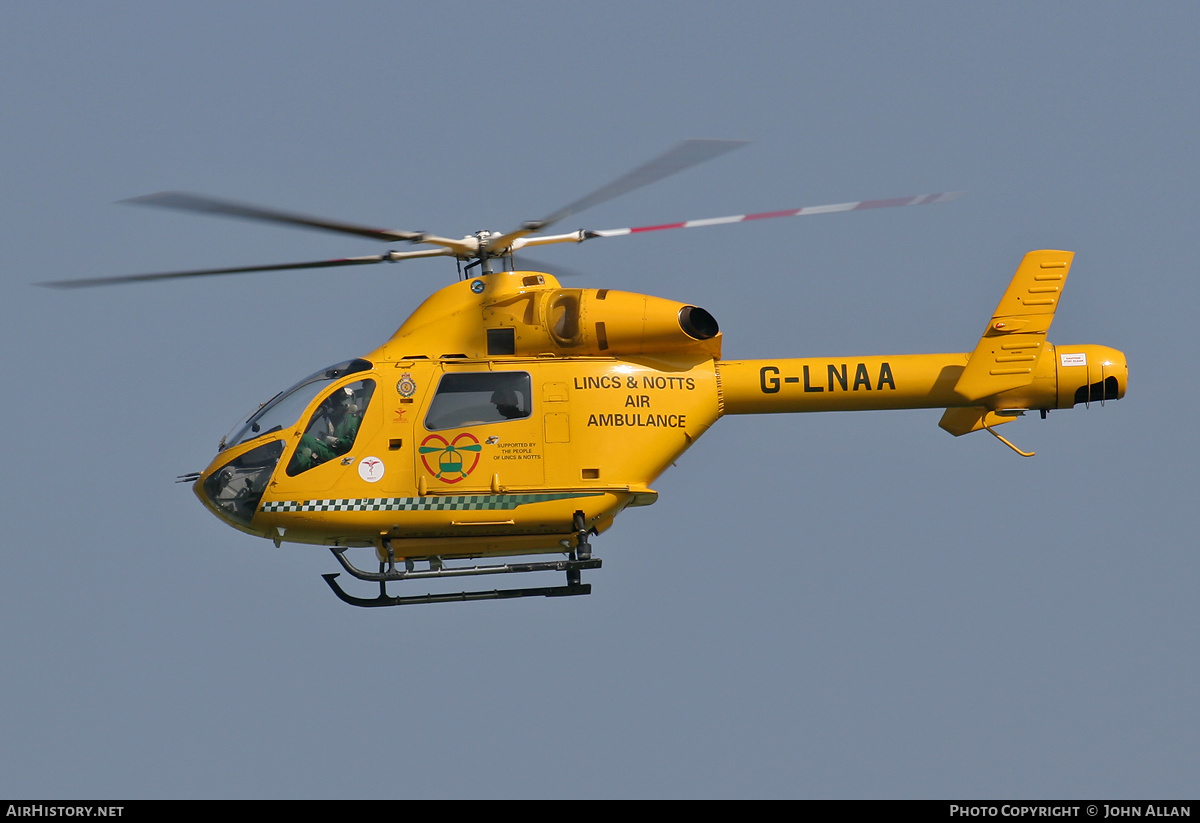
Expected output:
{"points": [[370, 469], [1073, 359]]}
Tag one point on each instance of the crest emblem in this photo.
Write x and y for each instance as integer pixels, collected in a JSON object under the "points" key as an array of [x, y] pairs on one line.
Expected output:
{"points": [[406, 386]]}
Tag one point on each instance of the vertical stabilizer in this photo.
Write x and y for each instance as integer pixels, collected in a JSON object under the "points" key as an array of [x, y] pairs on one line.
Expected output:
{"points": [[1006, 355]]}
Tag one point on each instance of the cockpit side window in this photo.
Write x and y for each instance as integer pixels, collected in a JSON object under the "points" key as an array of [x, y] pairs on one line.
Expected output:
{"points": [[285, 408], [477, 398], [333, 428]]}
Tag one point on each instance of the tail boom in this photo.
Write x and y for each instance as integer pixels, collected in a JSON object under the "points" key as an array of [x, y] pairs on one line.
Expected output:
{"points": [[1062, 377]]}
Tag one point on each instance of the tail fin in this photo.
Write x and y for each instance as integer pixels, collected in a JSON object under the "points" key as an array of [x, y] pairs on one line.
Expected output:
{"points": [[1005, 357]]}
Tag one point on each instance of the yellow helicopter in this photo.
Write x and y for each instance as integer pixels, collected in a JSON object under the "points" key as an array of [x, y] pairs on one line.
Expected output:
{"points": [[509, 416]]}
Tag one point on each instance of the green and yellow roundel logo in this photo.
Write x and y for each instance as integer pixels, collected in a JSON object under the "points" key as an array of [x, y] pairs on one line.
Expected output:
{"points": [[453, 459]]}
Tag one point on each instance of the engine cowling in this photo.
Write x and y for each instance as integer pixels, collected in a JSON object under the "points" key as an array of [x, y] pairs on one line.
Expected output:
{"points": [[609, 323]]}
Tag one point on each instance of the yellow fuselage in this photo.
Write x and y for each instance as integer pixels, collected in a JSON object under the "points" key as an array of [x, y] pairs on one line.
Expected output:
{"points": [[596, 393]]}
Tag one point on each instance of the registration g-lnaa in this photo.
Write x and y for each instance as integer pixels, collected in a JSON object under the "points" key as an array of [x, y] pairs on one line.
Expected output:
{"points": [[510, 419]]}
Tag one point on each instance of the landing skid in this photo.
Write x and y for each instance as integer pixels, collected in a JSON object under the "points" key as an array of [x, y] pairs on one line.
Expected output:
{"points": [[384, 599], [571, 567], [580, 558]]}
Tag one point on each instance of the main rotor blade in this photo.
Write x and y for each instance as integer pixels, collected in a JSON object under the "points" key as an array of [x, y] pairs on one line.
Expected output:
{"points": [[209, 205], [919, 200], [687, 154], [390, 257]]}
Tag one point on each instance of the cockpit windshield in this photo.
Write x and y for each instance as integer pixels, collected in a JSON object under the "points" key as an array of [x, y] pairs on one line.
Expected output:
{"points": [[285, 408]]}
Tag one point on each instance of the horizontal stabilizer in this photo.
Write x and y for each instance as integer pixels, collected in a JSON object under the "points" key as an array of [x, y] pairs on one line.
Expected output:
{"points": [[1006, 355]]}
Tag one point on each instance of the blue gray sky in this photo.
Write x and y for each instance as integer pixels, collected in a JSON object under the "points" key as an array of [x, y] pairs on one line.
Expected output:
{"points": [[853, 605]]}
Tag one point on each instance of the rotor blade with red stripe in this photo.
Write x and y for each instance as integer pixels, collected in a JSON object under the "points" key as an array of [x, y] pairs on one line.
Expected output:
{"points": [[919, 200], [687, 154]]}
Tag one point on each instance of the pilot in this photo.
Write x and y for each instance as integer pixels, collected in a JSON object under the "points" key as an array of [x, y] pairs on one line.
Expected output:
{"points": [[507, 404], [343, 417]]}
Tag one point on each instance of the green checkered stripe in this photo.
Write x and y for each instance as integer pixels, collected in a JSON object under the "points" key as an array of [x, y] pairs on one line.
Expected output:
{"points": [[459, 502]]}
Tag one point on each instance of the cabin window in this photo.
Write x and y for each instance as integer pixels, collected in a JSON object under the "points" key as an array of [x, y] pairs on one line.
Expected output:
{"points": [[333, 428], [474, 399]]}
